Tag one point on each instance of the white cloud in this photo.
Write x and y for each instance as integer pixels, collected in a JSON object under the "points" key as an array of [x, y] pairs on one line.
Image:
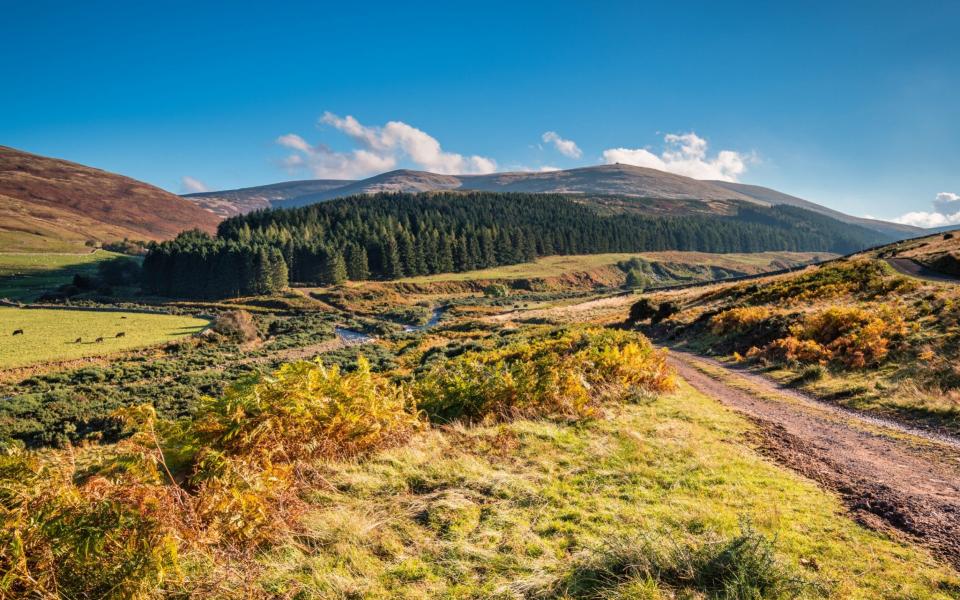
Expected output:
{"points": [[928, 219], [946, 211], [947, 203], [380, 149], [683, 154], [190, 185], [294, 141], [567, 148]]}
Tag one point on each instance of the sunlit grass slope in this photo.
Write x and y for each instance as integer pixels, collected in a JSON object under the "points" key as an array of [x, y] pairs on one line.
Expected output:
{"points": [[555, 266], [51, 335], [24, 276], [544, 509]]}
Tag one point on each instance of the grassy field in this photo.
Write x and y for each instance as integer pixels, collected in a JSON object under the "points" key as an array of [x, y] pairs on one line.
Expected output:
{"points": [[554, 266], [541, 509], [25, 276], [50, 335]]}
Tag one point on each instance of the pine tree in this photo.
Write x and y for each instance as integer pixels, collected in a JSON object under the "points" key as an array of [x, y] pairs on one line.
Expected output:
{"points": [[278, 273], [335, 269], [357, 269], [391, 258]]}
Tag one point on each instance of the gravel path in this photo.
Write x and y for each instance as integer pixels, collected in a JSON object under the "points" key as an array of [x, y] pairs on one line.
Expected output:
{"points": [[890, 476]]}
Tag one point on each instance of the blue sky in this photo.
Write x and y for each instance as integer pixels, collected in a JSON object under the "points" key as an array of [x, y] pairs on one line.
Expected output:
{"points": [[854, 105]]}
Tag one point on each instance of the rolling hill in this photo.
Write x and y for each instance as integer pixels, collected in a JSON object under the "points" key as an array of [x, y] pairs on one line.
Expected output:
{"points": [[47, 204], [683, 194]]}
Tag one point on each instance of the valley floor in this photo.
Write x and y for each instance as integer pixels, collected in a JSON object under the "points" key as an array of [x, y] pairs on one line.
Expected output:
{"points": [[728, 486]]}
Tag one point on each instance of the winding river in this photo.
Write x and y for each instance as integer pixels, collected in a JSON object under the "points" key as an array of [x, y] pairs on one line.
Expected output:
{"points": [[352, 337]]}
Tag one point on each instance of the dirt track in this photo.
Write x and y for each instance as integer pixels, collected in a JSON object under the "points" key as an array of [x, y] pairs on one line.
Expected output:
{"points": [[889, 476], [911, 268]]}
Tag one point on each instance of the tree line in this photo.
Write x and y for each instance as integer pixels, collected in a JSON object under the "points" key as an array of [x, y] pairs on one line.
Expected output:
{"points": [[386, 236]]}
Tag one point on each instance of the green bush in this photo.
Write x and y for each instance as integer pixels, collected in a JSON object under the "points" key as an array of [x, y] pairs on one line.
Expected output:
{"points": [[636, 280], [496, 290]]}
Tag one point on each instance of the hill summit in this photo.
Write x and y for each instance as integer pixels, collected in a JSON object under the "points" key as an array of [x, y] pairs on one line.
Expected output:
{"points": [[49, 204]]}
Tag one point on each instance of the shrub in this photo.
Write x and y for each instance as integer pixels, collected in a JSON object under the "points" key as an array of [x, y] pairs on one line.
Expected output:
{"points": [[237, 325], [305, 410], [641, 310], [852, 336], [496, 290], [739, 320], [792, 349], [636, 280], [253, 440], [566, 375], [665, 311], [129, 247], [635, 263]]}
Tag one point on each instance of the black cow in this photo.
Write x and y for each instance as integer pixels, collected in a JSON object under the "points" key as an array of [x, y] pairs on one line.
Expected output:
{"points": [[17, 332]]}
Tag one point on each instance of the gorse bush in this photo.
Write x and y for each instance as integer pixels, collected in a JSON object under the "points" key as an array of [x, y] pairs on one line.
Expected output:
{"points": [[851, 336], [739, 320], [567, 374]]}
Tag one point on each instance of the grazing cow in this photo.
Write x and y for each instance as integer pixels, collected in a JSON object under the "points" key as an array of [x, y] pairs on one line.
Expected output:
{"points": [[122, 334], [17, 332], [123, 317], [78, 341], [98, 340]]}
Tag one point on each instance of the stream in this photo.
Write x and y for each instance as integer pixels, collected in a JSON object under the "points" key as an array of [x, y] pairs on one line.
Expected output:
{"points": [[352, 337]]}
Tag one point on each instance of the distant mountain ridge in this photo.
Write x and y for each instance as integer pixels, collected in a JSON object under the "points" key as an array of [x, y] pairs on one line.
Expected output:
{"points": [[613, 180], [230, 203], [48, 204]]}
